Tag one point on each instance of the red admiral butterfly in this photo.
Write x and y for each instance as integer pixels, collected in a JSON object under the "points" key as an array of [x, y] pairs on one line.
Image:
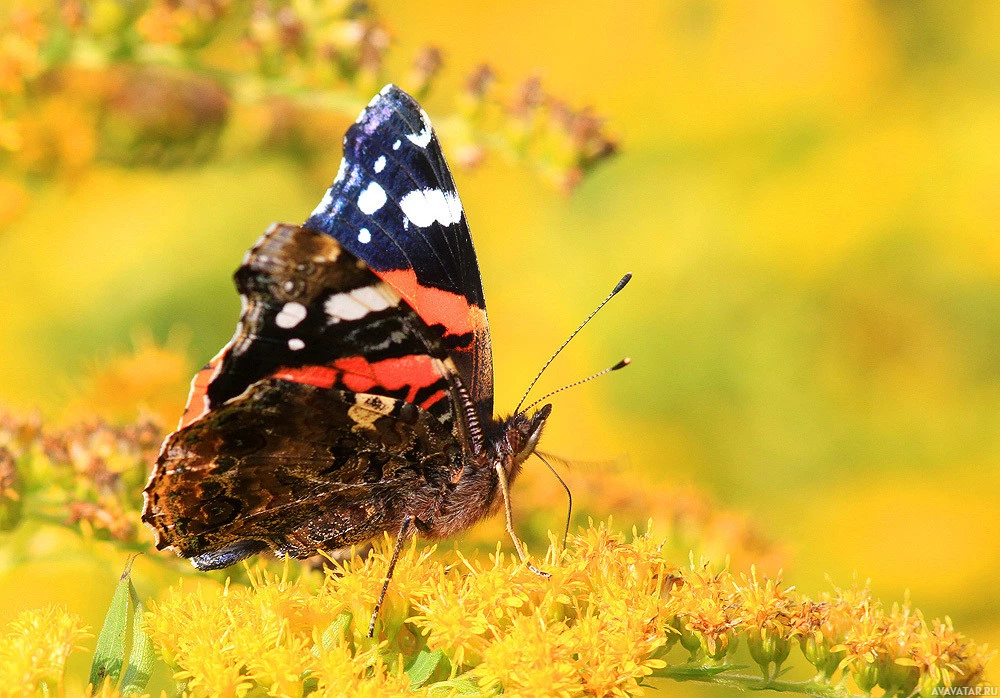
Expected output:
{"points": [[356, 396]]}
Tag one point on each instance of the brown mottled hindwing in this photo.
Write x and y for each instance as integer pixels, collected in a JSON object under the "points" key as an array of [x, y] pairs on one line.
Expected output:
{"points": [[297, 468]]}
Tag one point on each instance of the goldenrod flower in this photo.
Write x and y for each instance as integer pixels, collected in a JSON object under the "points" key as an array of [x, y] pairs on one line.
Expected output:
{"points": [[601, 625], [768, 617], [338, 672], [459, 609], [707, 614], [34, 649], [531, 658]]}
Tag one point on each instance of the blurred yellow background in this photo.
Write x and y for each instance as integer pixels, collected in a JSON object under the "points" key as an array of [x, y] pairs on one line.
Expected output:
{"points": [[808, 195]]}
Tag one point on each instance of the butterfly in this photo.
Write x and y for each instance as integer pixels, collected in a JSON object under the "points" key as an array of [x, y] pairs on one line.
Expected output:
{"points": [[356, 396]]}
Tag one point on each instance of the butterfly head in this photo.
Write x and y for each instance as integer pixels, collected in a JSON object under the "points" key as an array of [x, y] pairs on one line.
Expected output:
{"points": [[520, 437]]}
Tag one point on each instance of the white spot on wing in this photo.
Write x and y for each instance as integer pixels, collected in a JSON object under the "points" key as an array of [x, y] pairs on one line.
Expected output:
{"points": [[395, 146], [454, 205], [425, 206], [372, 198], [341, 170], [370, 297], [424, 137], [380, 164], [343, 307], [364, 236], [295, 344], [291, 315], [357, 303]]}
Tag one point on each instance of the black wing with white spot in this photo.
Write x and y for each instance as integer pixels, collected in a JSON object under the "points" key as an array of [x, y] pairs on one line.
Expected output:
{"points": [[395, 206]]}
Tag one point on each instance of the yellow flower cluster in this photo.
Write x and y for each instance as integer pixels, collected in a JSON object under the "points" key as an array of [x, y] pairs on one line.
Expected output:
{"points": [[897, 649], [34, 649], [602, 625], [284, 636]]}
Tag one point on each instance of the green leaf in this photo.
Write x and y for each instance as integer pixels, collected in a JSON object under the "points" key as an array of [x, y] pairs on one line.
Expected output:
{"points": [[336, 632], [422, 666], [122, 643], [141, 654]]}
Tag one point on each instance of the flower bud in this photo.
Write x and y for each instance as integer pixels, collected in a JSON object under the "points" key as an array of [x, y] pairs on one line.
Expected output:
{"points": [[817, 652], [866, 675], [768, 647]]}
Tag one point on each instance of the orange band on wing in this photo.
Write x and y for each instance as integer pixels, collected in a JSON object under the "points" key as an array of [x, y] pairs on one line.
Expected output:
{"points": [[415, 371], [433, 399], [358, 375], [434, 305], [320, 376]]}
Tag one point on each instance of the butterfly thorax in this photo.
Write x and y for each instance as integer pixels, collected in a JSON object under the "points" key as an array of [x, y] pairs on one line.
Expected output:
{"points": [[477, 493]]}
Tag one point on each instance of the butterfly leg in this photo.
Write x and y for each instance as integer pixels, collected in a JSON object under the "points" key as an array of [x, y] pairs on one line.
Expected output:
{"points": [[505, 488], [400, 539]]}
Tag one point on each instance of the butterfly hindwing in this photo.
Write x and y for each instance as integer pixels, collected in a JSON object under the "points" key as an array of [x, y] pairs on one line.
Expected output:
{"points": [[295, 468], [395, 206]]}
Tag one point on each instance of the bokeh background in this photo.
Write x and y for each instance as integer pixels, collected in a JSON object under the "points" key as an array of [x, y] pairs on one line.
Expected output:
{"points": [[808, 195]]}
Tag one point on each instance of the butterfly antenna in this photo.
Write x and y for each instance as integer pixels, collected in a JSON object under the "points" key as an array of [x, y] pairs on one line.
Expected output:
{"points": [[620, 365], [569, 497], [618, 287]]}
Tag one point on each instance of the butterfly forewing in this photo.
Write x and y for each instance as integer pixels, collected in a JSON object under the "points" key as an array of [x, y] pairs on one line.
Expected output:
{"points": [[395, 206], [313, 312]]}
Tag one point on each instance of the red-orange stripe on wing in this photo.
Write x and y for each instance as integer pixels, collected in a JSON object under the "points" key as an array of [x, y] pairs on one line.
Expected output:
{"points": [[434, 305], [413, 372], [433, 399], [319, 376], [358, 375]]}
